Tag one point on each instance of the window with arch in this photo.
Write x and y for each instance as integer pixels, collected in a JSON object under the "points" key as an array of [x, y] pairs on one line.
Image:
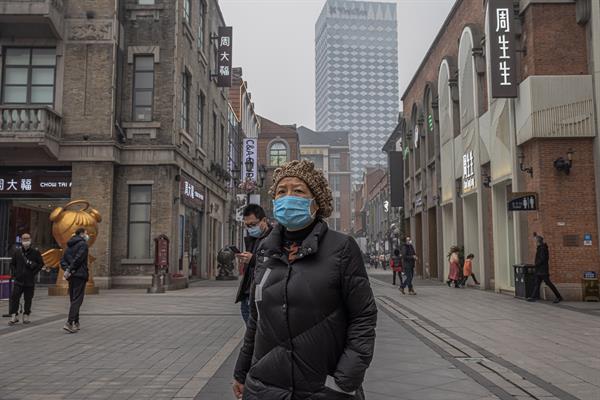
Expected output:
{"points": [[278, 154]]}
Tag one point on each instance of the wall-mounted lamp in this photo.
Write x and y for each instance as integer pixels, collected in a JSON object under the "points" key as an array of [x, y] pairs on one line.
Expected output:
{"points": [[564, 165], [486, 179], [529, 170]]}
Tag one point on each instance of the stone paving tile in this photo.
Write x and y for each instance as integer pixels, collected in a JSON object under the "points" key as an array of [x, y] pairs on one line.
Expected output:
{"points": [[554, 343]]}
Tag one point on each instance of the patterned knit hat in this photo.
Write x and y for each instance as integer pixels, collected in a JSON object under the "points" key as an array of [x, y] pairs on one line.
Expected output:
{"points": [[314, 179]]}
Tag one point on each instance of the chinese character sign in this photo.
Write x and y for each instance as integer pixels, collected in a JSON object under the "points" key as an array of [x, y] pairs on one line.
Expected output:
{"points": [[192, 192], [502, 49], [224, 46], [35, 183], [250, 156], [468, 171]]}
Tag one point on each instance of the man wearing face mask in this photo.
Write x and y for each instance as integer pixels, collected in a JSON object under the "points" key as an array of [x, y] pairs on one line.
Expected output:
{"points": [[311, 332], [257, 228], [75, 265], [26, 262]]}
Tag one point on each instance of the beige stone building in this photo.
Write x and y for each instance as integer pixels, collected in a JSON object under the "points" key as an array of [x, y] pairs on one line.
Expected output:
{"points": [[115, 102]]}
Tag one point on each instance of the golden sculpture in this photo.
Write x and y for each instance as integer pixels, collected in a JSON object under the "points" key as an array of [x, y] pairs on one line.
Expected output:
{"points": [[65, 222]]}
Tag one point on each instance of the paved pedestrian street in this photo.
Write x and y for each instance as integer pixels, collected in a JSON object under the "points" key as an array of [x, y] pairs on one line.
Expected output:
{"points": [[441, 344]]}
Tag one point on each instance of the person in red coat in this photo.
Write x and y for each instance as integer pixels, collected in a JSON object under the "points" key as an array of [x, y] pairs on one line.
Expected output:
{"points": [[454, 275], [396, 266]]}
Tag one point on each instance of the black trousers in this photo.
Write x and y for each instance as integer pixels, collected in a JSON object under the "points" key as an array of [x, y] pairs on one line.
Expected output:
{"points": [[399, 274], [76, 293], [538, 283], [15, 298]]}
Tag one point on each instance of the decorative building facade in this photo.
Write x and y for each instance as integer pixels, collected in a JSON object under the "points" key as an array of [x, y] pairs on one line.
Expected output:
{"points": [[330, 152], [357, 76], [486, 170], [113, 102]]}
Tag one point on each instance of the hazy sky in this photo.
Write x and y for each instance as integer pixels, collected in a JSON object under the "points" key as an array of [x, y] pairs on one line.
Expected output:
{"points": [[273, 42]]}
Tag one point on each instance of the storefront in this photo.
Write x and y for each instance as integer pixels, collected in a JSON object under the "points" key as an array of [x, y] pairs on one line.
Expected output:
{"points": [[27, 197], [191, 225]]}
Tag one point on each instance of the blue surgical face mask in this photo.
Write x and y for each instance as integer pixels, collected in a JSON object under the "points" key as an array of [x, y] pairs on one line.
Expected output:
{"points": [[255, 231], [293, 212]]}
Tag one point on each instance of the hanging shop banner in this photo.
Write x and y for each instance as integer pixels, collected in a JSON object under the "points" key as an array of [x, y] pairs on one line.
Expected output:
{"points": [[224, 55], [468, 172], [250, 158], [35, 183], [523, 201], [396, 178], [501, 19], [192, 192]]}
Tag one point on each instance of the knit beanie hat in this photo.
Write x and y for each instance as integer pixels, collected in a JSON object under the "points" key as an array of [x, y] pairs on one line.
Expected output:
{"points": [[314, 179]]}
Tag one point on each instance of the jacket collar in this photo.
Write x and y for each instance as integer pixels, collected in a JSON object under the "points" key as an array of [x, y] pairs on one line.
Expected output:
{"points": [[273, 245]]}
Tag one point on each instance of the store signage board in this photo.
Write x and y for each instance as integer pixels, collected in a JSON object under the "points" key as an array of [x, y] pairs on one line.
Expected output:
{"points": [[468, 172], [224, 56], [192, 192], [523, 201], [35, 183], [250, 153], [501, 20]]}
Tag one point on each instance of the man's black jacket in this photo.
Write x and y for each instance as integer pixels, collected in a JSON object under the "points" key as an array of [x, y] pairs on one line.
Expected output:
{"points": [[251, 245], [75, 258], [542, 259], [408, 256], [311, 332], [24, 266]]}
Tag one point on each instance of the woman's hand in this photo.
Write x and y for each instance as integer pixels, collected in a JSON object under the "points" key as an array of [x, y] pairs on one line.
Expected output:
{"points": [[238, 389]]}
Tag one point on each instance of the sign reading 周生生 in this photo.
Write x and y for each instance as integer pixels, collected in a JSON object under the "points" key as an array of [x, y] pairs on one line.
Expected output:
{"points": [[502, 48]]}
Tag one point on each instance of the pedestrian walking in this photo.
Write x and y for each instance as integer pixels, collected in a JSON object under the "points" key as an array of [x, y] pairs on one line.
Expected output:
{"points": [[409, 258], [25, 263], [454, 274], [468, 270], [257, 228], [542, 271], [396, 266], [75, 265], [311, 332], [382, 262]]}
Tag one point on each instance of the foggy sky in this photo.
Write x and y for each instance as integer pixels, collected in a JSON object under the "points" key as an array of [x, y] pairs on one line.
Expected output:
{"points": [[273, 41]]}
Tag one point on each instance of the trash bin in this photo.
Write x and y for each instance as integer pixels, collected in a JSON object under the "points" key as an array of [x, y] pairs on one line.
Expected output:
{"points": [[5, 287], [591, 290], [524, 280]]}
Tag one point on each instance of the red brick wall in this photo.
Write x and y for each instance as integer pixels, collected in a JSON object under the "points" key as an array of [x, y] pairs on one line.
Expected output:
{"points": [[568, 199], [468, 12], [555, 43]]}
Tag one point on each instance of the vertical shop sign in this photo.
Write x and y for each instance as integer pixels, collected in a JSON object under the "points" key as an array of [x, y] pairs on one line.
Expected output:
{"points": [[503, 49], [224, 56]]}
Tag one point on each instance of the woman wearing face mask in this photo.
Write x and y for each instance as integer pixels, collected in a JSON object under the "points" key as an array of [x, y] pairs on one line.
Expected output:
{"points": [[311, 331]]}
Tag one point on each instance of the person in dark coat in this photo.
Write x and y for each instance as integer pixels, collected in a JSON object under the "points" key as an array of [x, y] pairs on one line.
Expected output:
{"points": [[75, 265], [542, 271], [257, 228], [311, 332], [25, 264], [409, 258]]}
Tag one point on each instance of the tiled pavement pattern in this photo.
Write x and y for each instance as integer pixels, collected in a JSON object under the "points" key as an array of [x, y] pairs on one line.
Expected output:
{"points": [[183, 345]]}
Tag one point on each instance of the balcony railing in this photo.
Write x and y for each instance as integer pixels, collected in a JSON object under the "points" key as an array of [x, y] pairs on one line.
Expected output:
{"points": [[30, 119]]}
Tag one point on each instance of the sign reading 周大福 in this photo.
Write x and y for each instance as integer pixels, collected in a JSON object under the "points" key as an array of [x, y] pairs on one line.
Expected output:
{"points": [[35, 183], [224, 55], [501, 20]]}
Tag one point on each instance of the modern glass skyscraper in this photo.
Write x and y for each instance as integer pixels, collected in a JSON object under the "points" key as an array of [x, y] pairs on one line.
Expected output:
{"points": [[357, 76]]}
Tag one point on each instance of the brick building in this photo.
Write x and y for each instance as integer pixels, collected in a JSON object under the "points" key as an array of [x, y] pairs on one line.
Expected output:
{"points": [[113, 101], [468, 154], [330, 152], [277, 144]]}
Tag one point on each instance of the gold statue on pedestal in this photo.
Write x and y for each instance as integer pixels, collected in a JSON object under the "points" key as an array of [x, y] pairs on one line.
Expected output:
{"points": [[65, 222]]}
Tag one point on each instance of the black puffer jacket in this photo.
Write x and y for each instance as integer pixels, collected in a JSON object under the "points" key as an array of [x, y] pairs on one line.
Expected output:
{"points": [[311, 333], [75, 258], [25, 264]]}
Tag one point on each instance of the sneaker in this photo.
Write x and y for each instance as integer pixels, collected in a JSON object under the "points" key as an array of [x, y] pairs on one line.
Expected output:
{"points": [[557, 300], [410, 291], [69, 328], [13, 320], [77, 326], [26, 319], [448, 283], [402, 290]]}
